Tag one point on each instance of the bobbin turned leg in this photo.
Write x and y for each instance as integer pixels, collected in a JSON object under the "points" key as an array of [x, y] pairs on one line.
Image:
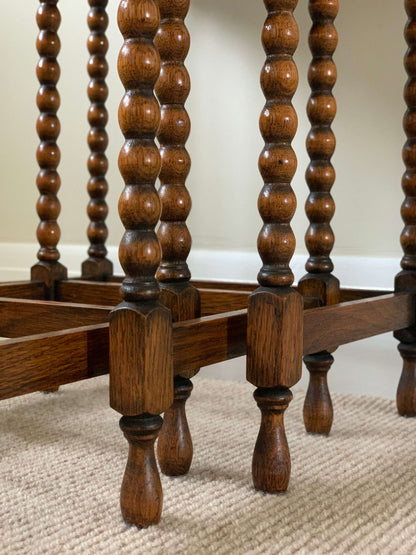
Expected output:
{"points": [[319, 285], [275, 310], [274, 356], [141, 365], [97, 266], [406, 279], [182, 298], [317, 409], [48, 268], [174, 447]]}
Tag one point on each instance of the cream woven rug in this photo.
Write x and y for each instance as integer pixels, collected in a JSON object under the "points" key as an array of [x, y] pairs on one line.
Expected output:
{"points": [[62, 460]]}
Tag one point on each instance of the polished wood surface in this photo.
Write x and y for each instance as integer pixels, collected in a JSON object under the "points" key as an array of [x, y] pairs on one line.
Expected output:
{"points": [[209, 340], [21, 317], [277, 204], [271, 459], [326, 328], [141, 362], [318, 412], [212, 301], [212, 339], [320, 142], [97, 265], [46, 361], [48, 155], [319, 283], [172, 89], [174, 447], [406, 279], [23, 289], [274, 345], [215, 297], [141, 485]]}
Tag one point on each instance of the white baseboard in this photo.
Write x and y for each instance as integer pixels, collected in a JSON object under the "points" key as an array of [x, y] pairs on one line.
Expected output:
{"points": [[353, 271]]}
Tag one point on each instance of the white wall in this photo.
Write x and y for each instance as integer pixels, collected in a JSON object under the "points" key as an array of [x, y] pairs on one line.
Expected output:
{"points": [[224, 62]]}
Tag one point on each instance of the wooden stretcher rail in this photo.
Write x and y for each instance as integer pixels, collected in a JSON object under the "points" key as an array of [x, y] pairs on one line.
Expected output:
{"points": [[26, 317], [217, 338], [42, 362], [213, 301], [23, 289], [39, 362], [209, 340], [326, 328], [83, 291]]}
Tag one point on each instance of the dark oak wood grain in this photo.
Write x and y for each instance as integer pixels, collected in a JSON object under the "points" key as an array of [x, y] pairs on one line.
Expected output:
{"points": [[181, 297], [274, 338], [23, 289], [48, 155], [42, 362], [89, 292], [215, 301], [212, 339], [271, 459], [274, 323], [320, 143], [26, 317], [141, 361], [174, 447], [172, 90], [208, 340], [212, 301], [318, 412], [141, 485], [97, 265], [319, 283], [326, 328]]}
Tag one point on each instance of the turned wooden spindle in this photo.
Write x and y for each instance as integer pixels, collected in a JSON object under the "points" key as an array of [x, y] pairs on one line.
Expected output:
{"points": [[97, 266], [319, 283], [174, 446], [318, 413], [141, 367], [320, 143], [182, 298], [172, 90], [274, 334], [139, 485], [271, 458], [406, 279], [48, 45]]}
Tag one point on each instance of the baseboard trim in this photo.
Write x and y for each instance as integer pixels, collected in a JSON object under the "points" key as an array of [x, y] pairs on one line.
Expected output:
{"points": [[242, 266]]}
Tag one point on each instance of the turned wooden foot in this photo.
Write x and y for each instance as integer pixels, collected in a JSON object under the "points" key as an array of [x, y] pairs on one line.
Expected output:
{"points": [[406, 391], [174, 446], [141, 496], [318, 413], [271, 458]]}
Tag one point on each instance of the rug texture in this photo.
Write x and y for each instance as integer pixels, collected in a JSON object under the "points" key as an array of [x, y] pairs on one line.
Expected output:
{"points": [[62, 458]]}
